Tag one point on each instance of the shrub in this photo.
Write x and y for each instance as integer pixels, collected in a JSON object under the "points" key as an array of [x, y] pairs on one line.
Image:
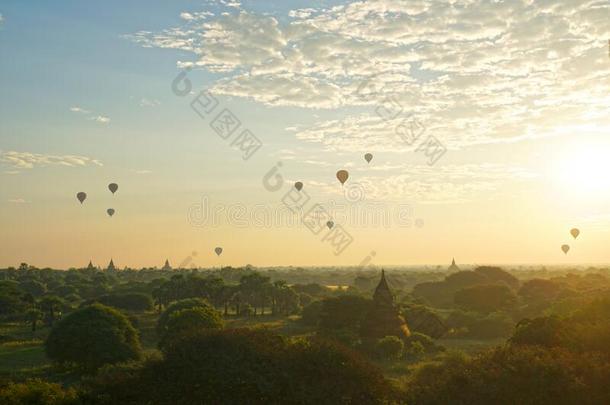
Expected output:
{"points": [[36, 392], [93, 336]]}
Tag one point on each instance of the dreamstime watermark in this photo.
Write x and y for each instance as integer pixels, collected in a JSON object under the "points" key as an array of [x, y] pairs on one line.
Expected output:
{"points": [[362, 215], [410, 128], [321, 221]]}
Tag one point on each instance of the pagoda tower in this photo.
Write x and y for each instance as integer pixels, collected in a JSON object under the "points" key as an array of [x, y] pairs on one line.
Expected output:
{"points": [[384, 318], [90, 266], [111, 266], [166, 266]]}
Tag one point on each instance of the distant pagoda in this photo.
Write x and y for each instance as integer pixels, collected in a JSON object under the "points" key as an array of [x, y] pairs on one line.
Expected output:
{"points": [[111, 266], [453, 267], [384, 319], [166, 266], [90, 266]]}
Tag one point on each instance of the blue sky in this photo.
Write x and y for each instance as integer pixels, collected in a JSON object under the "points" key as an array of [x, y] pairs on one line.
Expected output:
{"points": [[515, 92]]}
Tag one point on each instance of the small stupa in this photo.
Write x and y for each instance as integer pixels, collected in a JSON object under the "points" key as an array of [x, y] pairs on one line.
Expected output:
{"points": [[90, 266], [453, 267], [166, 266], [384, 319]]}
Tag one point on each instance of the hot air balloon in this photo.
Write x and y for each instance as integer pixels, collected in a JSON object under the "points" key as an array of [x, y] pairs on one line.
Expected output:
{"points": [[575, 232], [110, 211], [342, 175], [330, 224], [218, 251], [113, 187], [298, 185], [368, 157], [81, 196], [565, 249]]}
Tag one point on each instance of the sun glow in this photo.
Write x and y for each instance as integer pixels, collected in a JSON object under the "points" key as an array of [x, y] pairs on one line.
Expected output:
{"points": [[583, 169]]}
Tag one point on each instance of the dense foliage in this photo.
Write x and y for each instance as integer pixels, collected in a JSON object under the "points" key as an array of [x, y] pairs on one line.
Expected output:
{"points": [[248, 366], [93, 336]]}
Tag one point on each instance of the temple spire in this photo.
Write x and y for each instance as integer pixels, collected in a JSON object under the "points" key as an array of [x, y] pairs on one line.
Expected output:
{"points": [[166, 266]]}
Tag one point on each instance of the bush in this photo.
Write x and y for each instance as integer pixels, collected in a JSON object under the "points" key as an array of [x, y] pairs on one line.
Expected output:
{"points": [[36, 392], [93, 336], [389, 347]]}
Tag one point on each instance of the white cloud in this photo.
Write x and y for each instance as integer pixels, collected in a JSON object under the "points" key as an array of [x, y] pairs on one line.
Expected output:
{"points": [[477, 71], [146, 102], [97, 118], [1, 18], [17, 201], [27, 160], [101, 119], [143, 171], [77, 109]]}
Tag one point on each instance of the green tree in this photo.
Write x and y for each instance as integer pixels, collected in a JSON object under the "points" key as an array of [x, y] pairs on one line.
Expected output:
{"points": [[485, 298], [249, 366], [93, 336], [127, 301], [189, 303], [33, 316], [51, 305], [189, 320]]}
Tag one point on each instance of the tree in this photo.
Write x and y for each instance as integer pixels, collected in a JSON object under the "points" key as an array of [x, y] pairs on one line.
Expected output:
{"points": [[189, 320], [93, 336], [51, 306], [496, 274], [34, 316], [389, 347], [12, 299], [249, 366], [256, 290], [511, 375], [485, 298], [127, 301], [189, 303]]}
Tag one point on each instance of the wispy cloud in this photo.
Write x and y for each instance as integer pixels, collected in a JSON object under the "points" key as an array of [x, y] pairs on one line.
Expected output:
{"points": [[1, 18], [101, 119], [97, 118], [17, 201], [143, 171], [27, 160], [146, 102]]}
